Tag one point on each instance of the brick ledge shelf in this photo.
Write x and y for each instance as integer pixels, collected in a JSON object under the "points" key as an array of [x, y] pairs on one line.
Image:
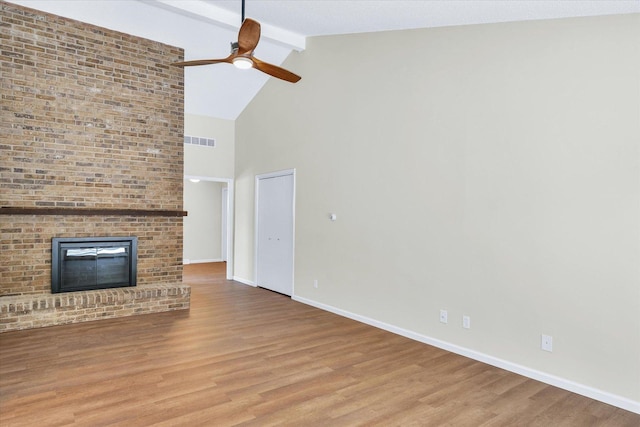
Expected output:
{"points": [[29, 311], [9, 210]]}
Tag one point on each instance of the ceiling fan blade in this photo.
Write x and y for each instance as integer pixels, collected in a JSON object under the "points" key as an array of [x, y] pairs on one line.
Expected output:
{"points": [[203, 62], [248, 36], [275, 71]]}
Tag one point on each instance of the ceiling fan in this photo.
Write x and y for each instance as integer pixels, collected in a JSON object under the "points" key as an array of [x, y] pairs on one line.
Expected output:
{"points": [[242, 53]]}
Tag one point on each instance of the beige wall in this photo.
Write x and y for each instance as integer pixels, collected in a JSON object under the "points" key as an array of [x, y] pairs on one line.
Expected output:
{"points": [[202, 229], [206, 161], [491, 170], [203, 225]]}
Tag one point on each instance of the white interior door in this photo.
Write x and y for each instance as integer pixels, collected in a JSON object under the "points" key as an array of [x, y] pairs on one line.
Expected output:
{"points": [[274, 232]]}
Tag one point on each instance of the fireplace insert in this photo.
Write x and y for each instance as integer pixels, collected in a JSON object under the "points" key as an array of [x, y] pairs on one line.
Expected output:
{"points": [[86, 263]]}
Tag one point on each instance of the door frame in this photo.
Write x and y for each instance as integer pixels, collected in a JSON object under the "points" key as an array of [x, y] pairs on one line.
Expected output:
{"points": [[230, 194], [276, 174], [224, 232]]}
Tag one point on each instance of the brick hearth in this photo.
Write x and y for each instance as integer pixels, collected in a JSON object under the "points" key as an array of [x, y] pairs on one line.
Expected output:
{"points": [[38, 310]]}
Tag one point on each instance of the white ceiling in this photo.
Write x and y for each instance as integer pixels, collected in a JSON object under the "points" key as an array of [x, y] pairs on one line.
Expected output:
{"points": [[204, 28], [324, 17]]}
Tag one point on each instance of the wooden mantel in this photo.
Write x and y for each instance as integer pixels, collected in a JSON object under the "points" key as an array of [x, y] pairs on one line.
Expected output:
{"points": [[6, 210]]}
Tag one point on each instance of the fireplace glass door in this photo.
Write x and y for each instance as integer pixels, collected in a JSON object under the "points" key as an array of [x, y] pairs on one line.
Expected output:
{"points": [[92, 263]]}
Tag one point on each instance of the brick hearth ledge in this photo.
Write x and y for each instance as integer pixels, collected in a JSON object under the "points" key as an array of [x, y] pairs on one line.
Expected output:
{"points": [[38, 310]]}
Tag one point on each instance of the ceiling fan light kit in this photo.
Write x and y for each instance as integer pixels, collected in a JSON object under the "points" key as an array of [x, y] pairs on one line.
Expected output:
{"points": [[242, 62]]}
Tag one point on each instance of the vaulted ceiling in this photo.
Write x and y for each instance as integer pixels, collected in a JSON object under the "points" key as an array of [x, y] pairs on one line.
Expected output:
{"points": [[205, 28]]}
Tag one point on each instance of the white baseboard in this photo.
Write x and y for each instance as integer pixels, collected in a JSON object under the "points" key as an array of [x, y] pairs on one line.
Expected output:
{"points": [[201, 261], [584, 390], [244, 281]]}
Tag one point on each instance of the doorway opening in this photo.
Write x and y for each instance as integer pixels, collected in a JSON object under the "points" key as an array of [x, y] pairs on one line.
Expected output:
{"points": [[226, 221]]}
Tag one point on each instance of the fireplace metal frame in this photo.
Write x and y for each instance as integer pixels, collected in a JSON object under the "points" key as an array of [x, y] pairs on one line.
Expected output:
{"points": [[57, 243]]}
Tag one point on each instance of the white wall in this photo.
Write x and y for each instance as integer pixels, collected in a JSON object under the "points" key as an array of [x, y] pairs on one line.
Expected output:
{"points": [[489, 170]]}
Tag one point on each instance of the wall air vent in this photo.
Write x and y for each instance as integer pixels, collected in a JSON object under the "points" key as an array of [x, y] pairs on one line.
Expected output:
{"points": [[196, 140]]}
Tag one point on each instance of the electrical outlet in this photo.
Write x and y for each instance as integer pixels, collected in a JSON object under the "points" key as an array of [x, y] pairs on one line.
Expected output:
{"points": [[466, 322], [443, 316], [315, 283], [546, 342]]}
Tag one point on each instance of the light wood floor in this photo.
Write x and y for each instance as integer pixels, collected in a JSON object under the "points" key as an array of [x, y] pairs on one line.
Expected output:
{"points": [[247, 356]]}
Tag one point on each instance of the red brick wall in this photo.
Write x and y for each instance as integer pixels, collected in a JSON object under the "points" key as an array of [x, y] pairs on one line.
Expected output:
{"points": [[90, 118]]}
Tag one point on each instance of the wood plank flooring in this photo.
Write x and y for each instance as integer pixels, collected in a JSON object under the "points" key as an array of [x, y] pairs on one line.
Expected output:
{"points": [[247, 356]]}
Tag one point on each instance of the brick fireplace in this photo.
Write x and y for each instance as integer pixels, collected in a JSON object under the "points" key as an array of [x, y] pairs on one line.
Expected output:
{"points": [[91, 145]]}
